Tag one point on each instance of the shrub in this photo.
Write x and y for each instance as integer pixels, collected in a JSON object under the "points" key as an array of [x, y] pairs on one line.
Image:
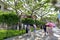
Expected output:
{"points": [[9, 18], [37, 22], [10, 33], [28, 21], [31, 21]]}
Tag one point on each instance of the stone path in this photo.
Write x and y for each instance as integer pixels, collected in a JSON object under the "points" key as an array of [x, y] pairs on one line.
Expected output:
{"points": [[35, 36]]}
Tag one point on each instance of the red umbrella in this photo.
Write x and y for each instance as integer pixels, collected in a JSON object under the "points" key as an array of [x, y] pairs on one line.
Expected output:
{"points": [[47, 23], [50, 24]]}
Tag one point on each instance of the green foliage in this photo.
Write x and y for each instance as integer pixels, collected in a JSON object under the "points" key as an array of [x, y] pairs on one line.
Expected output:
{"points": [[39, 0], [39, 22], [54, 2], [52, 17], [28, 5], [28, 21], [47, 1], [10, 33], [31, 21], [2, 34], [19, 5], [42, 22], [9, 18]]}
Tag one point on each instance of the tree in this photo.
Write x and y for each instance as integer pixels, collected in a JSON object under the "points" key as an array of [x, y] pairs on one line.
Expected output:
{"points": [[29, 7]]}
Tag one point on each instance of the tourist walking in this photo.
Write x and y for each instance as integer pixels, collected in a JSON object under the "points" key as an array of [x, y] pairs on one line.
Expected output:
{"points": [[34, 28], [50, 26], [28, 31], [44, 28]]}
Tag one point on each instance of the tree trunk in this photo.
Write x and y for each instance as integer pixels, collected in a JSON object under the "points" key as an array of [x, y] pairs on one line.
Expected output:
{"points": [[15, 4], [41, 18], [22, 26], [17, 27]]}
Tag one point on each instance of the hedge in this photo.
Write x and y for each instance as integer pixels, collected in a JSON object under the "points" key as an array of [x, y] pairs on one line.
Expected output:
{"points": [[28, 21], [31, 21], [9, 18], [10, 33]]}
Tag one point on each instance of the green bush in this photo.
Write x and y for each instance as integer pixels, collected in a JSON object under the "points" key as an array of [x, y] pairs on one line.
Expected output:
{"points": [[42, 22], [9, 18], [28, 21], [37, 22], [10, 33], [2, 34], [31, 21]]}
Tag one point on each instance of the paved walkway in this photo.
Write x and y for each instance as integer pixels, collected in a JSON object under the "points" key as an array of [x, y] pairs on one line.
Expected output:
{"points": [[37, 36]]}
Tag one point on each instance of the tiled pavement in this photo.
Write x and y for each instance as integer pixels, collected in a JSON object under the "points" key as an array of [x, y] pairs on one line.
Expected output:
{"points": [[35, 36]]}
